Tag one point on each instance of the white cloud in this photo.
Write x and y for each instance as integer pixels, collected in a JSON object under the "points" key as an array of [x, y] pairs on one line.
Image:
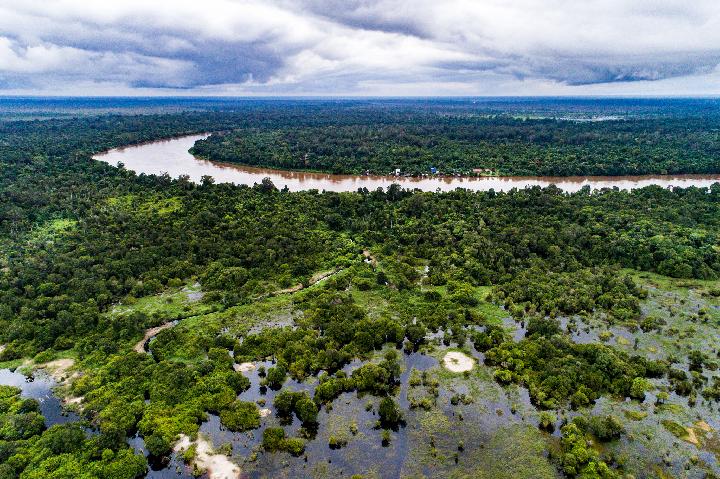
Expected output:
{"points": [[361, 46]]}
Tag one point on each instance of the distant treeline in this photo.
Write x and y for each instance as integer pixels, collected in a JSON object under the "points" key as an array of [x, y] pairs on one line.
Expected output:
{"points": [[422, 141]]}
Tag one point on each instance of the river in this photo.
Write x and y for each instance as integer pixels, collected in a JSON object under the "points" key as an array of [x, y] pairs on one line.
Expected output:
{"points": [[172, 157]]}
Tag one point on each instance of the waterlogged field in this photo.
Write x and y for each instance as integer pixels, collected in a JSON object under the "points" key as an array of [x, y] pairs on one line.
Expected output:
{"points": [[454, 424]]}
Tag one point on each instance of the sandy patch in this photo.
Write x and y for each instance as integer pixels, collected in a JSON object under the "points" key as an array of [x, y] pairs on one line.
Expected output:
{"points": [[74, 402], [691, 436], [265, 412], [58, 368], [458, 362], [140, 346], [217, 466], [369, 258], [703, 426], [244, 367]]}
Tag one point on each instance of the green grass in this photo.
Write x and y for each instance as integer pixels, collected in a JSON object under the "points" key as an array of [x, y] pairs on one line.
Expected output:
{"points": [[174, 303]]}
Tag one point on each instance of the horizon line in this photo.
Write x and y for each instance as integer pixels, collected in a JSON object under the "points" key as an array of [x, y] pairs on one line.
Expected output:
{"points": [[361, 97]]}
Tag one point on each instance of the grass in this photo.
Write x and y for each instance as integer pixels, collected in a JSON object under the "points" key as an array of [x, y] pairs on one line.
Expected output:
{"points": [[172, 304]]}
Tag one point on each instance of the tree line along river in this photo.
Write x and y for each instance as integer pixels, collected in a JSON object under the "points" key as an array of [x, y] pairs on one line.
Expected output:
{"points": [[172, 157]]}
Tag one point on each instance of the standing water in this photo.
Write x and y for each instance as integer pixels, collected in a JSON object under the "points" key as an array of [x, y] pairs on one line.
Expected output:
{"points": [[39, 387]]}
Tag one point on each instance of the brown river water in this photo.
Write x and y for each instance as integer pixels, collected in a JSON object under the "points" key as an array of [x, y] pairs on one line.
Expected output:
{"points": [[172, 157]]}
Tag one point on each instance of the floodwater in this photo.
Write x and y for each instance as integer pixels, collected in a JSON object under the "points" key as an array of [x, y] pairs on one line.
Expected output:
{"points": [[39, 386], [172, 157]]}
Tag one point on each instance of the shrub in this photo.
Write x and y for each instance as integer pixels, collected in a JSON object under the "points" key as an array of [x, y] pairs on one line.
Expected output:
{"points": [[274, 440], [294, 446], [288, 402], [336, 442], [547, 420], [157, 445], [306, 410], [240, 416], [639, 387], [276, 377], [389, 411], [606, 428]]}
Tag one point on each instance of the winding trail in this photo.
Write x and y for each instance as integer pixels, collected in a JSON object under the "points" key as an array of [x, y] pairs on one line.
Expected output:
{"points": [[141, 346], [149, 334], [316, 278]]}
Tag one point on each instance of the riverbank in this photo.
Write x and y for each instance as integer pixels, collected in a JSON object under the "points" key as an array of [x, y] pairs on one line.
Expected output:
{"points": [[171, 156]]}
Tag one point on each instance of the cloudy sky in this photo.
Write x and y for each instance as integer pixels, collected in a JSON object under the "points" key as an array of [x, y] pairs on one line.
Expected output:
{"points": [[360, 47]]}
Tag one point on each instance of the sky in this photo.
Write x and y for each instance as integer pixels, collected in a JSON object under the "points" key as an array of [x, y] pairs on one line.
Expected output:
{"points": [[360, 47]]}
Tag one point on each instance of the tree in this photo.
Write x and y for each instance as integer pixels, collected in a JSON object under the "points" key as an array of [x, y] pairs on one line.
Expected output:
{"points": [[240, 416], [389, 411], [276, 377], [307, 410]]}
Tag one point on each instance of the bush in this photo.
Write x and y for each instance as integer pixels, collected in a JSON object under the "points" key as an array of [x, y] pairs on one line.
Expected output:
{"points": [[336, 442], [578, 459], [288, 402], [606, 428], [158, 445], [579, 399], [547, 420], [306, 410], [389, 411], [276, 377], [543, 327], [274, 440], [294, 446], [363, 284], [240, 416], [44, 356], [639, 387]]}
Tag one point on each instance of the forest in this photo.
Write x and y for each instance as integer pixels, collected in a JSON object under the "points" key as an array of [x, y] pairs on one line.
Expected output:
{"points": [[92, 256], [426, 142]]}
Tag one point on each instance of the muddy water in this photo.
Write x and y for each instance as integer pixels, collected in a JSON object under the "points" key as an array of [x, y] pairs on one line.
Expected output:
{"points": [[172, 157]]}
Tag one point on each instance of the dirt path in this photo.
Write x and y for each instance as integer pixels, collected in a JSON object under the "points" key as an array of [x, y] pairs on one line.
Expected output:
{"points": [[314, 279], [140, 346]]}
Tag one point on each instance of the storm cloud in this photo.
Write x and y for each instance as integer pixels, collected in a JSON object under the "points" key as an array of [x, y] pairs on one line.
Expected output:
{"points": [[334, 47]]}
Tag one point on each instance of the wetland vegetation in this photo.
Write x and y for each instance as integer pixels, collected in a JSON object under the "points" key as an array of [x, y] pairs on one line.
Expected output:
{"points": [[390, 333]]}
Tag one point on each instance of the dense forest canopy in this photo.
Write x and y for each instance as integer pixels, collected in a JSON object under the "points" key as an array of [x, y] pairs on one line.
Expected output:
{"points": [[82, 241], [420, 139]]}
